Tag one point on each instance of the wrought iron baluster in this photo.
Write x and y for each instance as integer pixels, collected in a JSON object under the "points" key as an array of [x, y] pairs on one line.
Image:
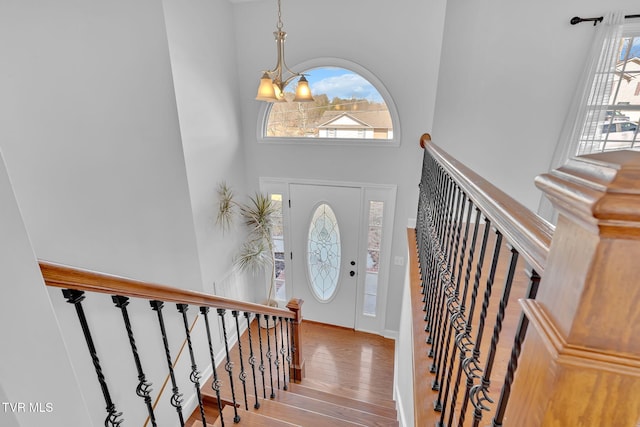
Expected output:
{"points": [[427, 256], [424, 256], [521, 332], [176, 397], [446, 214], [143, 389], [421, 218], [463, 338], [243, 374], [195, 375], [424, 233], [215, 384], [453, 305], [261, 367], [252, 359], [438, 259], [470, 365], [269, 356], [450, 296], [436, 234], [451, 221], [430, 274], [76, 297], [445, 286], [443, 202], [480, 392], [283, 352], [228, 366], [277, 356]]}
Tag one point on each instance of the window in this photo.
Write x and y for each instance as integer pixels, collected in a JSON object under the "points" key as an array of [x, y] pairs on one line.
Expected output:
{"points": [[350, 107], [277, 236], [606, 95], [374, 240], [613, 107]]}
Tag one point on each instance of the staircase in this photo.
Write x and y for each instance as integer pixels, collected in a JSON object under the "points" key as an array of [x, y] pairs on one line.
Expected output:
{"points": [[312, 402], [349, 375]]}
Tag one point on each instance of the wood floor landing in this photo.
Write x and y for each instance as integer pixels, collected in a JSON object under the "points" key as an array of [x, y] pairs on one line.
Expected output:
{"points": [[345, 360], [348, 381]]}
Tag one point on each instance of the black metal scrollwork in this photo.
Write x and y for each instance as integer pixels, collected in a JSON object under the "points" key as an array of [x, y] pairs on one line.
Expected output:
{"points": [[76, 297]]}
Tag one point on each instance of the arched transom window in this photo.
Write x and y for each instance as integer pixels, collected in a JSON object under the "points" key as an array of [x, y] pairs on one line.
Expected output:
{"points": [[347, 108]]}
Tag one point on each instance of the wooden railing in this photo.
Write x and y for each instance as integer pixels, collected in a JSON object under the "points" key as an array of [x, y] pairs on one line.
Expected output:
{"points": [[469, 333], [78, 284]]}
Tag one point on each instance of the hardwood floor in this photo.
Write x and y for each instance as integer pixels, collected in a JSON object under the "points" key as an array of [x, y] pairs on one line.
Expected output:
{"points": [[348, 377], [347, 361]]}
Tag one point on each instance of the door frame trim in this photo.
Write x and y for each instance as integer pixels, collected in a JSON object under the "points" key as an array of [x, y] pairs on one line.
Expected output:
{"points": [[370, 192]]}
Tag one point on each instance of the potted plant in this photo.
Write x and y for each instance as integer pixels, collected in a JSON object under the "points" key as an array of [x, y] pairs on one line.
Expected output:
{"points": [[256, 254]]}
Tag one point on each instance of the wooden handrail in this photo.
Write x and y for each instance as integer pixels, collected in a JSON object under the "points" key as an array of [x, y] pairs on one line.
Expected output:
{"points": [[63, 276], [526, 231]]}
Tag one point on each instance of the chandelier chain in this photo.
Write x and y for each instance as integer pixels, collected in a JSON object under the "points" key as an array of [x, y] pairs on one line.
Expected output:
{"points": [[279, 26]]}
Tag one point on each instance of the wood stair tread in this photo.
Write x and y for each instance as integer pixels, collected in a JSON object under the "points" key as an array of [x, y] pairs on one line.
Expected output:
{"points": [[385, 410], [301, 416], [367, 396], [289, 403], [247, 418], [251, 419], [211, 414]]}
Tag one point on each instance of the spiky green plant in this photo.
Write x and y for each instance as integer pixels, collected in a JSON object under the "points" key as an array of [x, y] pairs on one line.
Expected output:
{"points": [[225, 206], [257, 216]]}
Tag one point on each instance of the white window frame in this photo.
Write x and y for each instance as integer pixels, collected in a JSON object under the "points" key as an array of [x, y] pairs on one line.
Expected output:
{"points": [[347, 65], [606, 38], [631, 29]]}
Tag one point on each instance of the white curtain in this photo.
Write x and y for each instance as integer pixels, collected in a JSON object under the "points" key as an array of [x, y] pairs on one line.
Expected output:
{"points": [[589, 104]]}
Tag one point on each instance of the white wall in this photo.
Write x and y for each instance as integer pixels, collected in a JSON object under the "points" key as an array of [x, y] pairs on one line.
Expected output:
{"points": [[507, 75], [202, 51], [404, 374], [29, 330], [399, 42], [90, 134]]}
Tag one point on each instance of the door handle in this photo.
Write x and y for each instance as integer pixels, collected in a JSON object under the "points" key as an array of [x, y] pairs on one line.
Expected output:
{"points": [[352, 273]]}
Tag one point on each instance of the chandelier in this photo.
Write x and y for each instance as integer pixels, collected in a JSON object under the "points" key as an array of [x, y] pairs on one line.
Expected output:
{"points": [[272, 85]]}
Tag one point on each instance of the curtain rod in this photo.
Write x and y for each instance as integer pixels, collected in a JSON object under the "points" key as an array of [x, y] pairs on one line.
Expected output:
{"points": [[576, 19]]}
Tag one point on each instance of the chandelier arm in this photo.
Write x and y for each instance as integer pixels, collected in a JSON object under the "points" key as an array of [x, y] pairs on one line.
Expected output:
{"points": [[286, 82], [277, 73]]}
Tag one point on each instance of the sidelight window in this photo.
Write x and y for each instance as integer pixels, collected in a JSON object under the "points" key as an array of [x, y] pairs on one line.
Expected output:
{"points": [[374, 240]]}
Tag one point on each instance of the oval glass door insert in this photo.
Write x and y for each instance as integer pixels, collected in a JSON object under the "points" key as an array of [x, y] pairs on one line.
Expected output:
{"points": [[323, 253]]}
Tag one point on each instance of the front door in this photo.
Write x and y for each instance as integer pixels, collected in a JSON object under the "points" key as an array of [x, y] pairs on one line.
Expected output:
{"points": [[325, 224]]}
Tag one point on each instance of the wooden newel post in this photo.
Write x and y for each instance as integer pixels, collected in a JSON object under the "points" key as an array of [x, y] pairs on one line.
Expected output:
{"points": [[580, 363], [297, 359]]}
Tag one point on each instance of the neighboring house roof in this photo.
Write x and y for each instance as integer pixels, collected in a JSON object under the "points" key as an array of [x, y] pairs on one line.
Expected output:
{"points": [[631, 69], [356, 119]]}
